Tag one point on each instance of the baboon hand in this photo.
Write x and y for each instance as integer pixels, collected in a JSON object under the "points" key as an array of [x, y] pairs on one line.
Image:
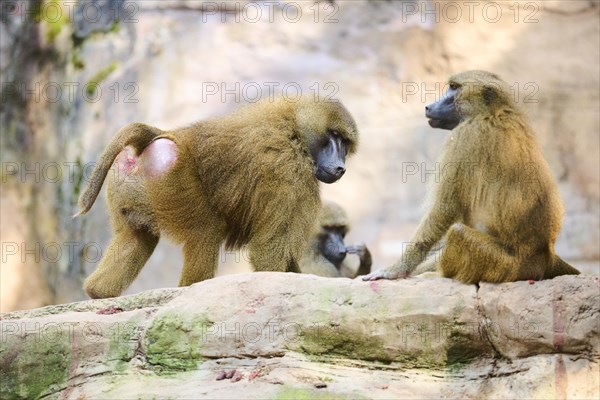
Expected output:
{"points": [[388, 273], [358, 248]]}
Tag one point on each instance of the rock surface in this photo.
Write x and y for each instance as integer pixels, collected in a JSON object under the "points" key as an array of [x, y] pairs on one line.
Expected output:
{"points": [[385, 59], [302, 336]]}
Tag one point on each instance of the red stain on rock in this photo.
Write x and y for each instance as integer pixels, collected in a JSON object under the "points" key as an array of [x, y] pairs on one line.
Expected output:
{"points": [[558, 325], [560, 378], [254, 374], [374, 286], [110, 310]]}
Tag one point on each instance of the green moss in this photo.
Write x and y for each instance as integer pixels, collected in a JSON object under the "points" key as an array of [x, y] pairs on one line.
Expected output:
{"points": [[460, 355], [40, 367], [326, 341], [174, 344], [307, 394], [92, 84], [461, 350], [425, 336], [123, 345], [333, 341]]}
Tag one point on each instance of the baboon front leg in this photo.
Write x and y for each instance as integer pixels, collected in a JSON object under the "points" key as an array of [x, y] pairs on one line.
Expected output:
{"points": [[432, 262], [200, 259], [126, 255], [471, 256], [429, 265], [430, 231]]}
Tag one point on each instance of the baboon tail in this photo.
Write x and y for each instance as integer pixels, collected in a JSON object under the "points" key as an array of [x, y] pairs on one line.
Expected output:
{"points": [[136, 135], [560, 267]]}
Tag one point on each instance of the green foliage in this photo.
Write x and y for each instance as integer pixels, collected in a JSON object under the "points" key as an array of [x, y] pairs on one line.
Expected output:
{"points": [[54, 17]]}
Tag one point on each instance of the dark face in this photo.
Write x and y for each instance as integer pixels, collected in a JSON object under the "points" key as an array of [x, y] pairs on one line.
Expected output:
{"points": [[331, 244], [329, 155], [443, 114]]}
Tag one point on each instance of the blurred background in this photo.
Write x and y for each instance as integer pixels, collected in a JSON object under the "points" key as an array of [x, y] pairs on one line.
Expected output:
{"points": [[74, 72]]}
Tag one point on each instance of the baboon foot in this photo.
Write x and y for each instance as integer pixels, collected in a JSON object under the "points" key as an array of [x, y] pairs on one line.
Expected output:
{"points": [[96, 291], [390, 273]]}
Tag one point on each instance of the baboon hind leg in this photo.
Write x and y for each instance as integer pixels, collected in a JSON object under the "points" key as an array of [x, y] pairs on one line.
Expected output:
{"points": [[200, 258], [472, 256], [126, 255]]}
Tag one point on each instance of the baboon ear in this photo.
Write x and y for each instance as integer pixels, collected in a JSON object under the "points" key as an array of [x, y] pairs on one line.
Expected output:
{"points": [[489, 95]]}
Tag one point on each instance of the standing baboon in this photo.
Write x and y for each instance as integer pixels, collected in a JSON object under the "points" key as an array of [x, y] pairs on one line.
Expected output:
{"points": [[496, 204], [326, 251], [250, 177]]}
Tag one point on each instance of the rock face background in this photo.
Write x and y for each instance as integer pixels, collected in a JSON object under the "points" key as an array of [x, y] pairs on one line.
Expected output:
{"points": [[169, 63], [306, 337]]}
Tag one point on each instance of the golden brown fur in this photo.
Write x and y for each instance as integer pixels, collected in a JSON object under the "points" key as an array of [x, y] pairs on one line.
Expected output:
{"points": [[244, 178], [333, 215], [496, 204], [313, 261]]}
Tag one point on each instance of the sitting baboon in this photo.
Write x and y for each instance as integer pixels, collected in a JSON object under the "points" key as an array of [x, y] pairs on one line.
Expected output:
{"points": [[326, 251], [250, 177], [496, 204]]}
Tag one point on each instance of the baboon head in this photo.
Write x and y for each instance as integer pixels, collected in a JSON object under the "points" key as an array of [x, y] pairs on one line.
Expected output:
{"points": [[469, 94], [333, 226], [329, 132]]}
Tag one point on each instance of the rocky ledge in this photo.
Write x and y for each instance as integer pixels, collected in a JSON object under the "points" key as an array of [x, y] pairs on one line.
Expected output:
{"points": [[302, 336]]}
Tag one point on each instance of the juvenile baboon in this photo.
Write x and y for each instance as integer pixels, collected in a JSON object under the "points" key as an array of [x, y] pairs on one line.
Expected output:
{"points": [[496, 203], [326, 251], [250, 177]]}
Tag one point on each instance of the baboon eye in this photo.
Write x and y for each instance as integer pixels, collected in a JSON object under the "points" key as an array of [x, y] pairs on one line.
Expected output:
{"points": [[336, 134], [489, 94], [453, 86]]}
